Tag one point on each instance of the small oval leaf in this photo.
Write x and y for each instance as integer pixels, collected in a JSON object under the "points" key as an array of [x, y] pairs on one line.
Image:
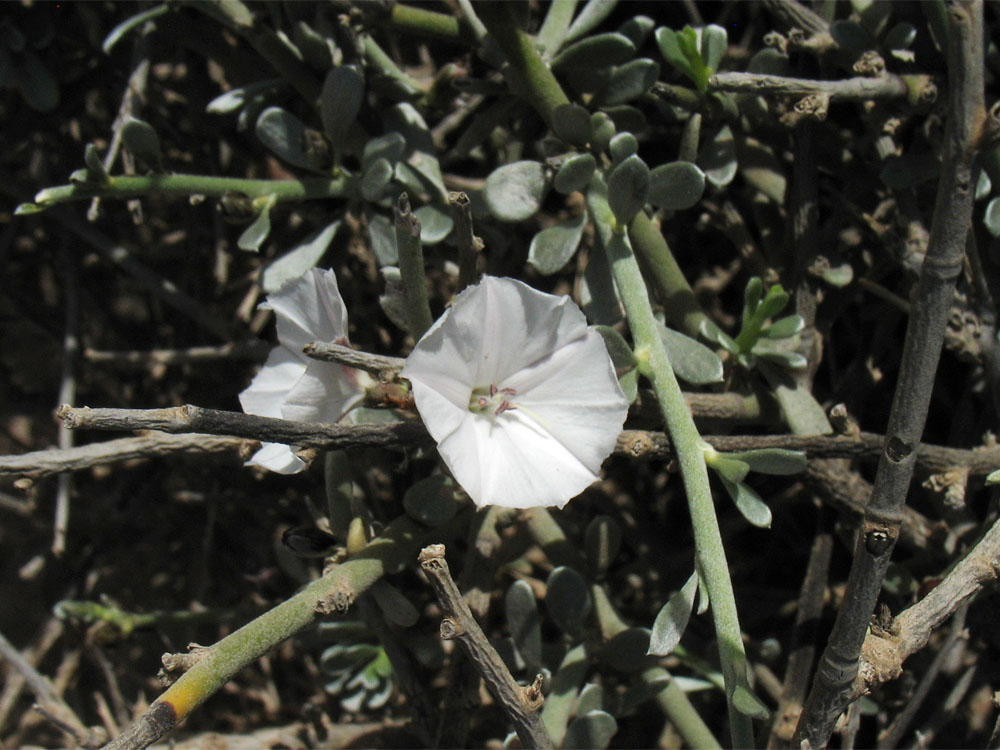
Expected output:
{"points": [[748, 502], [340, 101], [780, 461], [672, 620], [595, 51], [286, 135], [628, 185], [602, 130], [676, 186], [594, 729], [786, 327], [524, 623], [575, 173], [718, 157], [255, 234], [141, 139], [432, 500], [630, 80], [571, 122], [514, 192], [375, 178], [622, 146], [435, 224], [567, 599], [552, 248], [692, 361]]}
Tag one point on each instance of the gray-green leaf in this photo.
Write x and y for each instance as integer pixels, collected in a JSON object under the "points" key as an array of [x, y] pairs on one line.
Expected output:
{"points": [[141, 139], [718, 157], [676, 186], [748, 502], [435, 223], [524, 623], [286, 135], [692, 361], [595, 51], [781, 461], [552, 248], [514, 192], [673, 618], [255, 234], [630, 80], [575, 173], [622, 146], [340, 101], [299, 259], [571, 122], [594, 729], [375, 178], [628, 185], [567, 599], [432, 500]]}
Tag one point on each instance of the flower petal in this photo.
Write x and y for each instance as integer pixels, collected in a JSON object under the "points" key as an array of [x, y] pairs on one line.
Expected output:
{"points": [[277, 458], [309, 308], [518, 326], [279, 375], [323, 393], [575, 397], [492, 330], [511, 463]]}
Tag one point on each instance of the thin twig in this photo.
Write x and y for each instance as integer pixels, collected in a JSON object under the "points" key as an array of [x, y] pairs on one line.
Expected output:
{"points": [[49, 701], [384, 368], [520, 704], [883, 653], [892, 735], [252, 350], [633, 443], [879, 531], [469, 246], [67, 395], [802, 650], [151, 445], [857, 89], [135, 92]]}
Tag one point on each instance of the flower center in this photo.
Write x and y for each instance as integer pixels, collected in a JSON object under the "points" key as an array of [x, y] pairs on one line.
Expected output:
{"points": [[492, 399]]}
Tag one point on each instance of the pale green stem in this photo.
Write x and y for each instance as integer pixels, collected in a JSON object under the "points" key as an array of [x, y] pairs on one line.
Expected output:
{"points": [[336, 590], [553, 32], [655, 365], [192, 184], [678, 298], [413, 19]]}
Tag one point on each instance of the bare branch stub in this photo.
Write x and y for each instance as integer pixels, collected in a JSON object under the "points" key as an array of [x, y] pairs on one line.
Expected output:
{"points": [[520, 704]]}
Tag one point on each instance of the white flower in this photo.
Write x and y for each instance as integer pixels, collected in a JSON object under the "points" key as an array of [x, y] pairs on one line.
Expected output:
{"points": [[519, 394], [291, 385]]}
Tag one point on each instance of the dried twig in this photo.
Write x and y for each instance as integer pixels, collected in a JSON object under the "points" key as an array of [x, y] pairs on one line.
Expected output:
{"points": [[879, 531], [49, 701], [67, 395], [633, 443], [248, 350], [848, 89], [521, 704], [883, 653], [383, 367], [469, 246], [45, 463]]}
